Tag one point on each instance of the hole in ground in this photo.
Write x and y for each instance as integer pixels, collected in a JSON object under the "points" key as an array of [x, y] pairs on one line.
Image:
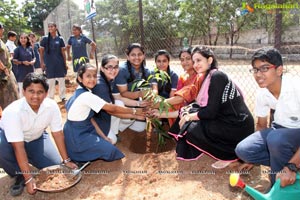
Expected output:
{"points": [[147, 142]]}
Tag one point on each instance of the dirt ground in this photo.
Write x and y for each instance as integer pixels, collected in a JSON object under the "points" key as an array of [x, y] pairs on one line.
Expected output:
{"points": [[147, 173]]}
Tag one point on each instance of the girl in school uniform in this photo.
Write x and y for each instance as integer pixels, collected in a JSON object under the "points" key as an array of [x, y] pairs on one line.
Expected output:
{"points": [[167, 89], [24, 59], [53, 60], [85, 141], [131, 70]]}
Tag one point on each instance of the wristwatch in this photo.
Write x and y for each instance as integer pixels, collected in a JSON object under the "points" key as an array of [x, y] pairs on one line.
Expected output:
{"points": [[292, 167]]}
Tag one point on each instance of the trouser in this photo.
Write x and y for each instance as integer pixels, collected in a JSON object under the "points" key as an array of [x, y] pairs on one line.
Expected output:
{"points": [[122, 124], [272, 147], [62, 87], [20, 86], [40, 153], [38, 70]]}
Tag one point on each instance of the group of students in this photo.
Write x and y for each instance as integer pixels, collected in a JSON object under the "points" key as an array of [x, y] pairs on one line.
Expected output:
{"points": [[209, 115]]}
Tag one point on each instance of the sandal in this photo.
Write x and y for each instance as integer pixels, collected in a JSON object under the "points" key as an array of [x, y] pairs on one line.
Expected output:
{"points": [[17, 188], [221, 164]]}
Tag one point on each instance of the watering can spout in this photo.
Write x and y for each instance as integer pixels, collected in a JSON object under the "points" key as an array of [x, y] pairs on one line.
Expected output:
{"points": [[236, 181]]}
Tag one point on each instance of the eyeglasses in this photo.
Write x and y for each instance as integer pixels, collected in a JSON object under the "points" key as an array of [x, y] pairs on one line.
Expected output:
{"points": [[110, 68], [263, 68]]}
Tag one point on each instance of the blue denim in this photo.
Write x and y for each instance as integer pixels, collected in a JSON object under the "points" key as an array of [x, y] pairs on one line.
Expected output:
{"points": [[272, 147], [40, 152]]}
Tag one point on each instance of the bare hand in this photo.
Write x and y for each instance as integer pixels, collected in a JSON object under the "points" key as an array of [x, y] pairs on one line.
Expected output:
{"points": [[140, 111], [154, 113], [71, 165], [144, 103], [183, 119], [31, 187], [26, 63], [43, 66], [286, 176]]}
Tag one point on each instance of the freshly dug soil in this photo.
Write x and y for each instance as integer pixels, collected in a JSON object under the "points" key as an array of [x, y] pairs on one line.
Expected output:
{"points": [[54, 180]]}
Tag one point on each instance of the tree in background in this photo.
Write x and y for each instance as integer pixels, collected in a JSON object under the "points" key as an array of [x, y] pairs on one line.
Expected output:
{"points": [[36, 11], [12, 18]]}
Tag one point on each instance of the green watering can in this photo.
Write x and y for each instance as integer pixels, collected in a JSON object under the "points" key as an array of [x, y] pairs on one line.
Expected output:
{"points": [[290, 192]]}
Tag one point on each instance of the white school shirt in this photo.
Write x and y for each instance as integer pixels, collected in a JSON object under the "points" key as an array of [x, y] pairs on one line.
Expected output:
{"points": [[21, 123], [83, 104], [11, 46], [287, 106]]}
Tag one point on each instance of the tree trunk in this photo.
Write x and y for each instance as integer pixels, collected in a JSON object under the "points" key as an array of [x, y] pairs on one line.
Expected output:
{"points": [[278, 27]]}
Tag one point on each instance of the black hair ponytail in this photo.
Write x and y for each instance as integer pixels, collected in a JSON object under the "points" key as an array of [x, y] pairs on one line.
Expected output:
{"points": [[109, 87]]}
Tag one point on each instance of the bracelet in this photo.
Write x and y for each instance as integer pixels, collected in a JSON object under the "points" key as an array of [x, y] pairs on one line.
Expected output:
{"points": [[67, 160], [133, 111], [138, 104], [184, 113], [30, 179]]}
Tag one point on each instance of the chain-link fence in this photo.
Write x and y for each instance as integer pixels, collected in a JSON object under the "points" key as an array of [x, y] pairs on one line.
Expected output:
{"points": [[171, 25]]}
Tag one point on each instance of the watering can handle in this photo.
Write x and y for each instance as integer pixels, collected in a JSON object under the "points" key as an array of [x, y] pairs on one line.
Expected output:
{"points": [[277, 183]]}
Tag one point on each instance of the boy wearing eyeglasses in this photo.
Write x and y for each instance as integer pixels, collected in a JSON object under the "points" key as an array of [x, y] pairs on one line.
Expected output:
{"points": [[276, 146]]}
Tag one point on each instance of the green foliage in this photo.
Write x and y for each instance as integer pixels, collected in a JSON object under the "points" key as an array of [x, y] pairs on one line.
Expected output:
{"points": [[150, 95], [37, 11], [12, 18]]}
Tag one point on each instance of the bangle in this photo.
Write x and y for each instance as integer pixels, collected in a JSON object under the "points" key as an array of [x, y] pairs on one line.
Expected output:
{"points": [[30, 179], [67, 160], [133, 111]]}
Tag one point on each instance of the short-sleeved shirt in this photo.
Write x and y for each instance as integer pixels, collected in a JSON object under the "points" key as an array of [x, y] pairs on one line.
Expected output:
{"points": [[79, 48], [53, 58], [163, 90], [287, 106], [23, 54], [11, 46], [123, 78], [21, 123], [103, 118], [83, 104]]}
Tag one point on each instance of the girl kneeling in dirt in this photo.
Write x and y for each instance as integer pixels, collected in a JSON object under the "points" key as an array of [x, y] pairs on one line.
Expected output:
{"points": [[131, 70], [219, 119], [84, 139], [110, 124]]}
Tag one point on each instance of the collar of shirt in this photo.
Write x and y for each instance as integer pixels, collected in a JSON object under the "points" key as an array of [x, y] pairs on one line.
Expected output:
{"points": [[26, 106]]}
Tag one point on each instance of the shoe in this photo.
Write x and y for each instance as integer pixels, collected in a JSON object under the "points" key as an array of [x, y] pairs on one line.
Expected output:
{"points": [[221, 164], [17, 188]]}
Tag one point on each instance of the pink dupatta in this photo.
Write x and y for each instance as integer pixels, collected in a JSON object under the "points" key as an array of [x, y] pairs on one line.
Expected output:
{"points": [[202, 97]]}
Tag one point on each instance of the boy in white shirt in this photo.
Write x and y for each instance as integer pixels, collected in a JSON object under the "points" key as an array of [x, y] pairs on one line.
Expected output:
{"points": [[23, 139], [278, 145]]}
